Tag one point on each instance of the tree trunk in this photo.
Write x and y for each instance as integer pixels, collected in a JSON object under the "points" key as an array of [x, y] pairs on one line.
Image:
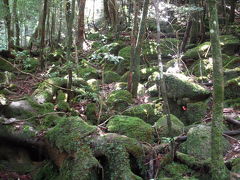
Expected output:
{"points": [[70, 9], [42, 43], [186, 35], [133, 43], [219, 171], [16, 23], [137, 49], [8, 20], [80, 32], [232, 11], [60, 22], [195, 24]]}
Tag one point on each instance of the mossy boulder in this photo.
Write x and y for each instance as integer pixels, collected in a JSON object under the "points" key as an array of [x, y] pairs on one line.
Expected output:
{"points": [[88, 73], [62, 104], [110, 77], [91, 113], [176, 171], [143, 111], [94, 84], [146, 72], [119, 99], [124, 77], [178, 86], [230, 44], [202, 67], [120, 86], [198, 52], [236, 165], [162, 128], [125, 53], [231, 73], [232, 88], [230, 62], [132, 127], [232, 103], [198, 143]]}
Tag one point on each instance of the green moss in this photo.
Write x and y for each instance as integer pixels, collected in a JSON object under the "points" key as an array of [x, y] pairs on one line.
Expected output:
{"points": [[93, 36], [121, 86], [91, 113], [119, 99], [202, 67], [198, 143], [4, 66], [230, 62], [177, 170], [69, 132], [146, 72], [124, 77], [94, 84], [143, 111], [231, 73], [230, 44], [30, 64], [125, 53], [132, 127], [232, 88], [195, 111], [62, 104], [110, 77], [88, 73], [235, 103], [47, 172], [200, 50], [162, 128], [236, 165], [169, 46]]}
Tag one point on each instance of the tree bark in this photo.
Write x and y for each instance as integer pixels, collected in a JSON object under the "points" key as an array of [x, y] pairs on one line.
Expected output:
{"points": [[133, 43], [219, 171], [8, 20], [137, 49], [232, 11], [81, 27], [42, 43], [16, 23]]}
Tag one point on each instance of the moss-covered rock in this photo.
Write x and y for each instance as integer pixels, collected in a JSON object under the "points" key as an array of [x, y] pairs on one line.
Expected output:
{"points": [[230, 62], [120, 86], [94, 84], [132, 127], [202, 67], [125, 53], [176, 171], [162, 128], [232, 88], [197, 52], [119, 99], [146, 72], [88, 73], [236, 165], [68, 134], [198, 143], [230, 44], [233, 103], [179, 86], [231, 73], [91, 113], [124, 77], [62, 104], [110, 77], [143, 111]]}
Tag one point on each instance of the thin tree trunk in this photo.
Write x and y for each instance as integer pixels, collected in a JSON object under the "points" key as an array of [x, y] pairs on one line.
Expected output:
{"points": [[8, 20], [70, 9], [16, 23], [163, 90], [219, 171], [133, 43], [42, 43], [137, 50], [60, 22], [232, 11], [81, 27], [186, 35]]}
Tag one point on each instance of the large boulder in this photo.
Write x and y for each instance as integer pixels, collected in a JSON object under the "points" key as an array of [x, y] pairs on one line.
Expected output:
{"points": [[132, 127], [119, 99], [110, 77], [198, 142], [143, 111], [162, 127]]}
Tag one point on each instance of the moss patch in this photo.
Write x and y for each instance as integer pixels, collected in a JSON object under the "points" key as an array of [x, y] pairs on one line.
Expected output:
{"points": [[119, 99], [143, 111], [132, 127], [162, 128], [110, 77]]}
